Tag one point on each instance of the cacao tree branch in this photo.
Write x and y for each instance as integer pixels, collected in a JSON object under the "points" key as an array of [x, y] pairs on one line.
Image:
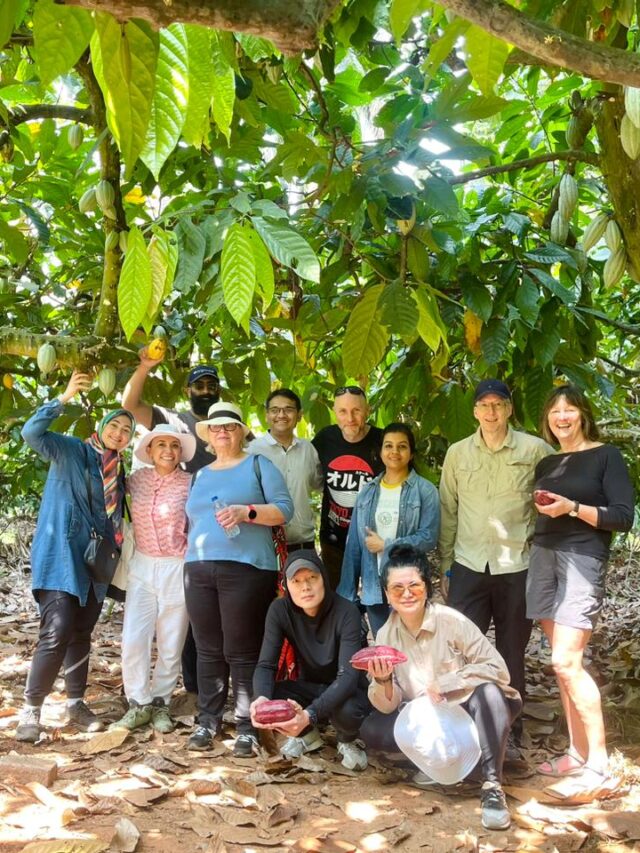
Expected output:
{"points": [[291, 26], [83, 352], [627, 328], [550, 44], [35, 112], [628, 371], [526, 163]]}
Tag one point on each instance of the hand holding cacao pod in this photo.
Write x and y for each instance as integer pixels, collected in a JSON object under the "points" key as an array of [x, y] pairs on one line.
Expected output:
{"points": [[387, 653], [271, 712], [542, 497], [157, 348]]}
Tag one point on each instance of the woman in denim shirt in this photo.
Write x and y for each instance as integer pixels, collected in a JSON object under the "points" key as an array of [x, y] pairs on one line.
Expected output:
{"points": [[397, 507], [68, 600]]}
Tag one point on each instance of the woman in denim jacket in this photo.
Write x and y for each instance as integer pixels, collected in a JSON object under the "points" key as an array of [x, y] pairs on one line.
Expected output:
{"points": [[397, 507], [68, 600]]}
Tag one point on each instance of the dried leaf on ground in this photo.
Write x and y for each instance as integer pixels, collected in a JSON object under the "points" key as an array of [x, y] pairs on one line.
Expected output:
{"points": [[126, 836], [202, 821], [143, 798], [282, 812], [199, 787], [104, 741], [67, 845]]}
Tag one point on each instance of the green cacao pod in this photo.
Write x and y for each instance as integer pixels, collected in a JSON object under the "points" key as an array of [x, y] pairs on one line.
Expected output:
{"points": [[107, 380], [632, 104], [630, 137], [110, 213], [75, 136], [612, 235], [112, 241], [46, 358], [573, 133], [105, 194], [559, 230], [594, 231], [124, 241], [87, 201], [568, 196], [614, 267], [159, 332]]}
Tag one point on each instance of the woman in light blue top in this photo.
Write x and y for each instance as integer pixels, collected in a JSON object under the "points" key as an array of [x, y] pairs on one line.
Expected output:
{"points": [[230, 571], [397, 507]]}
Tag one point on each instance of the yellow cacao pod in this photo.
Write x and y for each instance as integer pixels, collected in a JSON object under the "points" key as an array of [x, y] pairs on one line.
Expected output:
{"points": [[105, 195], [157, 348], [614, 267], [46, 358], [87, 201], [594, 231], [612, 235], [630, 137], [632, 104], [559, 230], [568, 196], [107, 380], [75, 136], [112, 240], [7, 381]]}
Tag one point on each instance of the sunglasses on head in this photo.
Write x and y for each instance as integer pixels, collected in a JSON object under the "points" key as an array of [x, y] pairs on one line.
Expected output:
{"points": [[349, 389]]}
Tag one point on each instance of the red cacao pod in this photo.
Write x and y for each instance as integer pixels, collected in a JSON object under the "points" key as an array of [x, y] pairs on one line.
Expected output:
{"points": [[361, 659], [543, 498], [273, 711]]}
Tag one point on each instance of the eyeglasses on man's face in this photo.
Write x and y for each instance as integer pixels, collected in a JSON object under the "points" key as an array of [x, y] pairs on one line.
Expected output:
{"points": [[223, 428], [349, 389], [282, 410], [397, 590], [489, 407]]}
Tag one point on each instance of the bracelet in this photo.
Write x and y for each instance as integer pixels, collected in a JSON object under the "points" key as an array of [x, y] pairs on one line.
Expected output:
{"points": [[384, 680]]}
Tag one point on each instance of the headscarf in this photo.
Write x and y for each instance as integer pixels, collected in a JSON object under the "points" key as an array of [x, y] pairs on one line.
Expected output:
{"points": [[111, 468]]}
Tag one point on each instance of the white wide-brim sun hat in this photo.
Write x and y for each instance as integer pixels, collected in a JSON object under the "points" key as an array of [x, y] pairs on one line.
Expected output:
{"points": [[186, 439], [439, 738], [221, 413]]}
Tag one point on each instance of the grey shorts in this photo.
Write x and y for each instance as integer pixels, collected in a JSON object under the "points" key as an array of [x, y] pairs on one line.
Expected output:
{"points": [[565, 587]]}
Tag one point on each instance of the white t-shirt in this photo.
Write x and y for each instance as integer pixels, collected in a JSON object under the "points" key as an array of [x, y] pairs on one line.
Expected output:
{"points": [[387, 513]]}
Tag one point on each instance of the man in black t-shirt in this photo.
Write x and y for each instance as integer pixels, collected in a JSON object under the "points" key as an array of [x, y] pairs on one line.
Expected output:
{"points": [[349, 453]]}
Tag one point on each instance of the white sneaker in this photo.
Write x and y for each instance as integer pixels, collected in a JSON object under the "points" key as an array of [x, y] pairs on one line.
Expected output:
{"points": [[353, 756], [422, 780], [294, 747]]}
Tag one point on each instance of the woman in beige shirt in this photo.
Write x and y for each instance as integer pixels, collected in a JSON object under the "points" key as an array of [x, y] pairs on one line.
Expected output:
{"points": [[450, 660]]}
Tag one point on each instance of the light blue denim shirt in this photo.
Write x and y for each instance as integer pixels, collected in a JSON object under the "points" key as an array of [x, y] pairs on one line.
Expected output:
{"points": [[418, 525]]}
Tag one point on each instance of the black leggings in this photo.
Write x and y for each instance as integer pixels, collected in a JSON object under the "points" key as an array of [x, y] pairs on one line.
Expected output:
{"points": [[491, 711], [346, 720], [227, 603], [65, 638]]}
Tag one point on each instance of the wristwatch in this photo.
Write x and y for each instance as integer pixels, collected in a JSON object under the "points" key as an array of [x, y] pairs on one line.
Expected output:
{"points": [[253, 512], [576, 509]]}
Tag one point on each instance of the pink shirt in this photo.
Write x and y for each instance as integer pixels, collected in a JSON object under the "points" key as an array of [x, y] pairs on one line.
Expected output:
{"points": [[159, 519]]}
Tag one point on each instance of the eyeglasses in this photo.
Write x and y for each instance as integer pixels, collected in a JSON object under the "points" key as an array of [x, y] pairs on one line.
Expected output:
{"points": [[349, 389], [282, 410], [224, 428], [397, 590], [486, 407]]}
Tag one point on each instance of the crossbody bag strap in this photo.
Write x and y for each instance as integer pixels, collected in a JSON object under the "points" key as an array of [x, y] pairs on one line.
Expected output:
{"points": [[88, 482], [258, 472]]}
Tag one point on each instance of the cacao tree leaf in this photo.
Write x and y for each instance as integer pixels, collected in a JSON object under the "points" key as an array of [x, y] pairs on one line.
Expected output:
{"points": [[430, 326], [527, 300], [478, 298], [134, 287], [192, 243], [494, 339], [440, 49], [544, 344], [288, 248], [170, 98], [224, 87], [265, 279], [486, 56], [61, 34], [125, 58], [255, 47], [397, 309], [16, 244], [538, 382], [365, 338], [196, 120], [553, 285], [238, 272], [8, 19], [440, 196], [163, 256], [259, 377], [458, 421], [400, 14]]}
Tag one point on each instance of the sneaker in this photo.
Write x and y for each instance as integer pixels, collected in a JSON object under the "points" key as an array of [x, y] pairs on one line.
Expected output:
{"points": [[245, 745], [495, 814], [80, 716], [421, 780], [294, 747], [512, 752], [353, 756], [160, 717], [29, 729], [202, 738], [136, 716]]}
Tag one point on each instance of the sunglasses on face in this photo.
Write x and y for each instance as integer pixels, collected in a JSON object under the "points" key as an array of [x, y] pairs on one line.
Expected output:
{"points": [[223, 428], [397, 590]]}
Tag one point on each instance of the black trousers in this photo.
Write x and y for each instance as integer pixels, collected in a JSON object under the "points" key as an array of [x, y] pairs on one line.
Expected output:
{"points": [[64, 640], [491, 711], [190, 663], [227, 603], [482, 597], [332, 557], [346, 719]]}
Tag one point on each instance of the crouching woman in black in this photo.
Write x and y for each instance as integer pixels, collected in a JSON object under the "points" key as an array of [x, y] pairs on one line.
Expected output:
{"points": [[324, 631]]}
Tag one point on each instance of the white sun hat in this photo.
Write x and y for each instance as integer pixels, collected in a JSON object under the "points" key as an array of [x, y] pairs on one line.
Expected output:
{"points": [[221, 413], [438, 737], [186, 439]]}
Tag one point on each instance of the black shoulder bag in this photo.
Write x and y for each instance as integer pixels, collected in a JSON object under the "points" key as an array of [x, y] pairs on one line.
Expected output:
{"points": [[101, 556]]}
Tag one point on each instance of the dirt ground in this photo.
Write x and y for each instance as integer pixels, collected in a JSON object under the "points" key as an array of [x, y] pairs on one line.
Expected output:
{"points": [[148, 793]]}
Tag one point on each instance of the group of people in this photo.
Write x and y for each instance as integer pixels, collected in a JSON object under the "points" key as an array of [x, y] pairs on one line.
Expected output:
{"points": [[523, 532]]}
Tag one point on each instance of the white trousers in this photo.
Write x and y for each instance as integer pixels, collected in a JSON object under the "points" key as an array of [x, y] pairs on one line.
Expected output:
{"points": [[154, 606]]}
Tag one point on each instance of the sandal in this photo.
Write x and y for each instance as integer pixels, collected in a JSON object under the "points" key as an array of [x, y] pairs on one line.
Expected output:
{"points": [[569, 764], [583, 788]]}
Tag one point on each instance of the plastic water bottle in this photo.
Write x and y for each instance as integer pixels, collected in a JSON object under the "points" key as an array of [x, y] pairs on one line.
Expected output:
{"points": [[219, 504]]}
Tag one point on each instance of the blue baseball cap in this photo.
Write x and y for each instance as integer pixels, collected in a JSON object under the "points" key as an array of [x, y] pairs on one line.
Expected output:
{"points": [[492, 386], [200, 371]]}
